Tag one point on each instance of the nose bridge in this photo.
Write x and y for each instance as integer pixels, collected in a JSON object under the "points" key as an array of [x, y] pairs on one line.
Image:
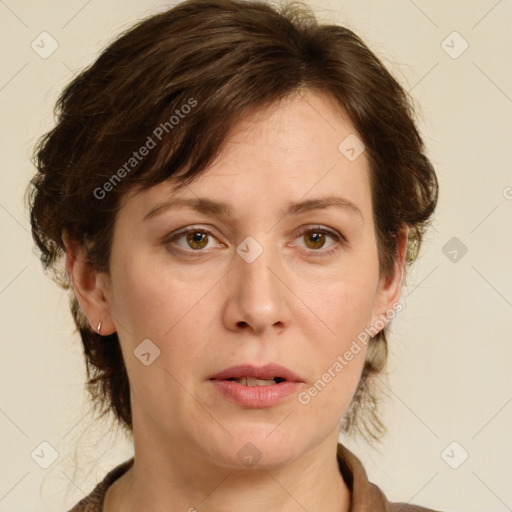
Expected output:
{"points": [[257, 294], [255, 260]]}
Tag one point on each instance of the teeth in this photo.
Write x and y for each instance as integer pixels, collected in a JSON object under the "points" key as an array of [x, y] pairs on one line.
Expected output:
{"points": [[256, 382]]}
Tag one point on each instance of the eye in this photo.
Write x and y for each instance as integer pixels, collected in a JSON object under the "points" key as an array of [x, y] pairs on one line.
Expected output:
{"points": [[194, 239], [198, 240], [315, 239]]}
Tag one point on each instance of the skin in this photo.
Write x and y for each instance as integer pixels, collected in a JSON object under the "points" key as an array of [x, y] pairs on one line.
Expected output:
{"points": [[211, 311]]}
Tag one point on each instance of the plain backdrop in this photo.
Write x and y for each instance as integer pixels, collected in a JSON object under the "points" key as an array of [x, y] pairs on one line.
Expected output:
{"points": [[449, 411]]}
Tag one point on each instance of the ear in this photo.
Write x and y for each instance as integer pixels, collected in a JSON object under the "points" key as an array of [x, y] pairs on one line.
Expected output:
{"points": [[90, 287], [390, 288]]}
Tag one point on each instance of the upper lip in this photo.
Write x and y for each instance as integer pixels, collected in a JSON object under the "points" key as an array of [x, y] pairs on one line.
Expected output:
{"points": [[268, 371]]}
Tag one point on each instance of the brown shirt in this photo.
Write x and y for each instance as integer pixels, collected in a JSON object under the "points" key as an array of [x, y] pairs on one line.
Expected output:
{"points": [[365, 496]]}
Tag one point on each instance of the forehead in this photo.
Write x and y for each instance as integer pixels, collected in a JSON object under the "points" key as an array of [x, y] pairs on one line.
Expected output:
{"points": [[291, 150]]}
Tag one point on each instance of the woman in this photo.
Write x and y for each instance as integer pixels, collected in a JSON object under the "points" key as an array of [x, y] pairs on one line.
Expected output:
{"points": [[238, 192]]}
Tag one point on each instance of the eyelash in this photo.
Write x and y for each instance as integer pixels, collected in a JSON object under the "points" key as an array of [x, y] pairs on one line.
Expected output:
{"points": [[340, 240]]}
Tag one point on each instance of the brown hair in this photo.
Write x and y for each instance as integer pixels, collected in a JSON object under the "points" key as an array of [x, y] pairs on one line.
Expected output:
{"points": [[223, 59]]}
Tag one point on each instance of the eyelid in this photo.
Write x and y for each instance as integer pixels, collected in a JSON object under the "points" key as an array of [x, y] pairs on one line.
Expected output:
{"points": [[318, 227]]}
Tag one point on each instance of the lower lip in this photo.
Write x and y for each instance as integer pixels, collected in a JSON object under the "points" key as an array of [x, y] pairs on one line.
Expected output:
{"points": [[256, 397]]}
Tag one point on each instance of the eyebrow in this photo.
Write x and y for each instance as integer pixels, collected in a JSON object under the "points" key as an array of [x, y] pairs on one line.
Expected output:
{"points": [[218, 208]]}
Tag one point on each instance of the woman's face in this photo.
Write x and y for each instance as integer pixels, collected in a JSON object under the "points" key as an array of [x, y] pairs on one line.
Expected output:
{"points": [[277, 279]]}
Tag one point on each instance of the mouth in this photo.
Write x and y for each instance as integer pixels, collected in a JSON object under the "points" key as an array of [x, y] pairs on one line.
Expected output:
{"points": [[246, 381], [257, 387], [252, 376]]}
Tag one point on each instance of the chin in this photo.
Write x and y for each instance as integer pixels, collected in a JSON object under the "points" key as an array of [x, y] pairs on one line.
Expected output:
{"points": [[260, 447]]}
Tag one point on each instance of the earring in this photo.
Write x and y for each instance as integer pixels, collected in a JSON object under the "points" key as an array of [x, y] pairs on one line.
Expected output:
{"points": [[99, 328]]}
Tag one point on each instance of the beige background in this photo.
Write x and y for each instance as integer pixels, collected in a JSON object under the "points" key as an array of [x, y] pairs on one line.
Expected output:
{"points": [[451, 346]]}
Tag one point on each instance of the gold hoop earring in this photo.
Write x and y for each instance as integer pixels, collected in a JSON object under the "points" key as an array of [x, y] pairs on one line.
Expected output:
{"points": [[99, 328]]}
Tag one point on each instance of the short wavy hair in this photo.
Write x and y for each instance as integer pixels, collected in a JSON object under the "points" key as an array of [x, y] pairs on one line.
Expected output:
{"points": [[230, 57]]}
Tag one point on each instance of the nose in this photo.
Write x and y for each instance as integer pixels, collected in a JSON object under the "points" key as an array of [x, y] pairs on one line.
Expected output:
{"points": [[256, 295]]}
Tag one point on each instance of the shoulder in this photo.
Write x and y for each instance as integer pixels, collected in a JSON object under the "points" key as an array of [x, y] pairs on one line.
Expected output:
{"points": [[93, 502], [366, 496]]}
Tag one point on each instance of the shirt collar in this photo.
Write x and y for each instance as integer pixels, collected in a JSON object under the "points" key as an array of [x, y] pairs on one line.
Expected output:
{"points": [[365, 496]]}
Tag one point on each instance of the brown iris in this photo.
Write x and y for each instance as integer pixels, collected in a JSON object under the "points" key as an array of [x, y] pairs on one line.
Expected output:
{"points": [[197, 239], [318, 239]]}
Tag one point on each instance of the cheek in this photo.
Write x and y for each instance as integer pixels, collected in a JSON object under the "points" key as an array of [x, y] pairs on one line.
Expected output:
{"points": [[166, 308], [343, 300], [337, 359], [342, 311], [148, 301]]}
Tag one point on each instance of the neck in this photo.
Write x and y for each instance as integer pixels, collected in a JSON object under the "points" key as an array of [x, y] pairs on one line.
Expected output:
{"points": [[179, 479]]}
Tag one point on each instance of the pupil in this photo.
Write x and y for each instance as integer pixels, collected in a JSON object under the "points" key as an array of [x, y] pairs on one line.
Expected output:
{"points": [[196, 238], [316, 239]]}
